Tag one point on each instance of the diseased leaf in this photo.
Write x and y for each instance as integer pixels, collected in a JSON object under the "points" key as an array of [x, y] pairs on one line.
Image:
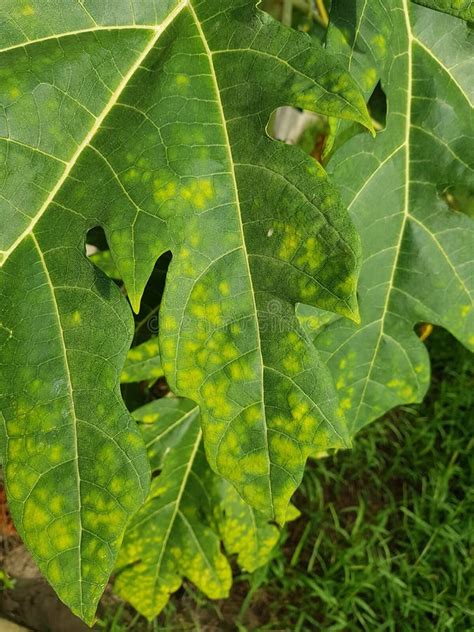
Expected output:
{"points": [[418, 263], [176, 534], [143, 363], [459, 8], [147, 118], [244, 531]]}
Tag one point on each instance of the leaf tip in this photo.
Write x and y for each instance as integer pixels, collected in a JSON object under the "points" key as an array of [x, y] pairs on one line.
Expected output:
{"points": [[135, 301]]}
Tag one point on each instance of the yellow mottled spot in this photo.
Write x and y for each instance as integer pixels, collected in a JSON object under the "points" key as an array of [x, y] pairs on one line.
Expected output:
{"points": [[343, 363], [35, 515], [465, 310], [190, 380], [255, 496], [191, 346], [76, 318], [224, 288], [55, 454], [14, 93], [289, 243], [182, 80], [255, 464], [27, 10], [131, 175], [346, 404], [370, 77], [116, 485], [198, 310], [300, 410], [54, 571], [56, 504], [169, 346], [379, 42], [135, 355], [254, 413], [292, 364], [284, 448], [168, 323], [235, 329], [199, 191], [214, 314], [150, 418], [407, 392], [163, 193], [241, 371], [168, 366], [340, 383], [394, 383]]}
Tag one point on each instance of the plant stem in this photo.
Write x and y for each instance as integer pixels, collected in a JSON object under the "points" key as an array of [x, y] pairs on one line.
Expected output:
{"points": [[323, 14], [287, 12], [305, 7]]}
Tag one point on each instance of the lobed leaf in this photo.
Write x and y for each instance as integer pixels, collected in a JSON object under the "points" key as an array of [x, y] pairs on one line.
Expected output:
{"points": [[147, 118], [417, 251], [177, 533]]}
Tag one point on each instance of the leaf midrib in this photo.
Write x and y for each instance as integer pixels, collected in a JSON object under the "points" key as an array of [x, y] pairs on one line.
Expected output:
{"points": [[72, 404], [405, 211], [241, 227], [412, 40]]}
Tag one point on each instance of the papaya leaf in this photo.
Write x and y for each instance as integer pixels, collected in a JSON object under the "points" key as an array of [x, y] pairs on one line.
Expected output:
{"points": [[417, 251], [177, 533], [147, 118]]}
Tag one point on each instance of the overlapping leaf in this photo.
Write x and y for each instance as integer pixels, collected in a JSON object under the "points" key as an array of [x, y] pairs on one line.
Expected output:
{"points": [[143, 363], [459, 8], [418, 252], [177, 533], [147, 117]]}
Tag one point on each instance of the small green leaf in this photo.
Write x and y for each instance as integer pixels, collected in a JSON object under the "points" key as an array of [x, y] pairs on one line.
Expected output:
{"points": [[143, 363]]}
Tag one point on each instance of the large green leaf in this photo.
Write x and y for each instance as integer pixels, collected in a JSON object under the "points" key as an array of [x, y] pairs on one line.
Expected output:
{"points": [[418, 253], [177, 533], [147, 117]]}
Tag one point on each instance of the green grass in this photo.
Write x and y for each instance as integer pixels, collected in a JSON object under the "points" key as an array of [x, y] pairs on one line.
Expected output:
{"points": [[385, 541]]}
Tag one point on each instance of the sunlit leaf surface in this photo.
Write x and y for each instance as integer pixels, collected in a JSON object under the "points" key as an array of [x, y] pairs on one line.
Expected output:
{"points": [[417, 251], [147, 118]]}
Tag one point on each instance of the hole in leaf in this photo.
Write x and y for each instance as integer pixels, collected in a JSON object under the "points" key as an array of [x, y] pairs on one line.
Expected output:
{"points": [[377, 106], [299, 127], [155, 474], [99, 254], [459, 199], [96, 239], [146, 322]]}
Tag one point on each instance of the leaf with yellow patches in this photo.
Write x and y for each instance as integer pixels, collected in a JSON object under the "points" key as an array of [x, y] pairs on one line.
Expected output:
{"points": [[177, 533], [418, 263]]}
